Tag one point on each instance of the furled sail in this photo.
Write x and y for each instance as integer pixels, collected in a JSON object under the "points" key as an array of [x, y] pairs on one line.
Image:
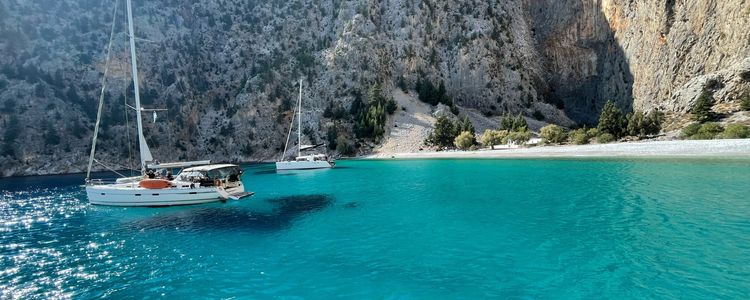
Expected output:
{"points": [[145, 151]]}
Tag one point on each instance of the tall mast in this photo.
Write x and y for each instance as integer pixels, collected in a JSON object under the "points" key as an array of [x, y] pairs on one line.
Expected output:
{"points": [[143, 147], [101, 96], [299, 121]]}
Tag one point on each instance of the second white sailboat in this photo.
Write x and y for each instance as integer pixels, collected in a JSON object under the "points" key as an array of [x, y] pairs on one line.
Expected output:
{"points": [[303, 162]]}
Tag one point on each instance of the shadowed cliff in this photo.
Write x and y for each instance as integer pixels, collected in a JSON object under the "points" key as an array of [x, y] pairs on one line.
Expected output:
{"points": [[585, 66]]}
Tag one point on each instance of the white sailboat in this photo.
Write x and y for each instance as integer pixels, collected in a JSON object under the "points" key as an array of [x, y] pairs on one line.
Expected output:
{"points": [[199, 182], [303, 162]]}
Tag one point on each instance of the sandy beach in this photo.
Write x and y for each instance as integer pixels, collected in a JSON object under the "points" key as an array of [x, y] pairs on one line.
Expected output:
{"points": [[680, 148]]}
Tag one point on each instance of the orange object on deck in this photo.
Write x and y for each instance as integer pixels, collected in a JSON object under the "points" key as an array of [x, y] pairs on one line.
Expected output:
{"points": [[154, 183]]}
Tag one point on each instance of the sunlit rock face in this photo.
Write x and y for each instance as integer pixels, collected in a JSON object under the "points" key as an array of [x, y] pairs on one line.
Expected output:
{"points": [[226, 69]]}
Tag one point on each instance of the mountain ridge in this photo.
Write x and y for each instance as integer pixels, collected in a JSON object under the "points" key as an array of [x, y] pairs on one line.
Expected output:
{"points": [[225, 69]]}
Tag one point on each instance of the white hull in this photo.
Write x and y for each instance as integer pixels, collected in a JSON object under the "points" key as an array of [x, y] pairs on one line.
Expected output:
{"points": [[303, 165], [132, 195]]}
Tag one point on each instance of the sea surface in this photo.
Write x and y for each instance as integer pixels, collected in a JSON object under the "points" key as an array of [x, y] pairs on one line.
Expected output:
{"points": [[408, 229]]}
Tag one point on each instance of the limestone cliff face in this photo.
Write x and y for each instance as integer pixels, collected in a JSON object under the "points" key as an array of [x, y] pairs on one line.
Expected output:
{"points": [[641, 54], [670, 43], [651, 54], [225, 69]]}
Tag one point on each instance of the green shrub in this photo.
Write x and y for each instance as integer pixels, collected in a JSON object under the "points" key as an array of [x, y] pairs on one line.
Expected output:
{"points": [[50, 135], [519, 124], [637, 124], [642, 125], [454, 110], [538, 115], [592, 132], [490, 137], [612, 121], [510, 123], [745, 102], [653, 122], [736, 131], [579, 137], [8, 149], [429, 94], [464, 141], [334, 112], [344, 146], [519, 137], [707, 131], [332, 136], [701, 111], [402, 84], [690, 130], [552, 134], [605, 138], [391, 106]]}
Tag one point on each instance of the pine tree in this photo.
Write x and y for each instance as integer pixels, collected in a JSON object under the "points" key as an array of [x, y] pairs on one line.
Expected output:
{"points": [[637, 124], [468, 126], [332, 135], [444, 133], [654, 119], [519, 124], [745, 102], [442, 95], [612, 121], [506, 123], [701, 111]]}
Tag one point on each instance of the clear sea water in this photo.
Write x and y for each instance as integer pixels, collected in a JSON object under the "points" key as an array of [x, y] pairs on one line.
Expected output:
{"points": [[412, 229]]}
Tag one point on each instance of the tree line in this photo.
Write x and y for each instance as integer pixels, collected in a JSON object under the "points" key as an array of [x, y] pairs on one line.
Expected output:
{"points": [[704, 126], [613, 125]]}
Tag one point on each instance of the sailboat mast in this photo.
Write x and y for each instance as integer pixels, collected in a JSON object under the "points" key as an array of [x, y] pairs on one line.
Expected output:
{"points": [[141, 141], [101, 96], [299, 121]]}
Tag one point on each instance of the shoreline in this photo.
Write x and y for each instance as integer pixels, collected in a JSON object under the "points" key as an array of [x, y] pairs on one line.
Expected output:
{"points": [[720, 149], [731, 148]]}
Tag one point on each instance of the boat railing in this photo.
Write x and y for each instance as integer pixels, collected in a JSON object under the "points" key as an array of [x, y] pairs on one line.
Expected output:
{"points": [[101, 181]]}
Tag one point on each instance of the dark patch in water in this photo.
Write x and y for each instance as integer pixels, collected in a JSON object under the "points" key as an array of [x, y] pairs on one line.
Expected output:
{"points": [[351, 205], [285, 210]]}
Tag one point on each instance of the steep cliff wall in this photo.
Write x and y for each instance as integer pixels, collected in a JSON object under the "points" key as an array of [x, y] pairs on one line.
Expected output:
{"points": [[225, 68], [585, 64], [641, 54], [668, 44]]}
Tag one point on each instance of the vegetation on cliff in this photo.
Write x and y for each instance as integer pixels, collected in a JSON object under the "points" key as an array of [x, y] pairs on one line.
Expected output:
{"points": [[702, 110]]}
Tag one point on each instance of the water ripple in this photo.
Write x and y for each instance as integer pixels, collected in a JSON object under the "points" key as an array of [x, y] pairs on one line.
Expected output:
{"points": [[409, 229]]}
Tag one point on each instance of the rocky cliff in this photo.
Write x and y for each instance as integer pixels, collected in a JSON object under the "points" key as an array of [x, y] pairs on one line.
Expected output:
{"points": [[225, 69]]}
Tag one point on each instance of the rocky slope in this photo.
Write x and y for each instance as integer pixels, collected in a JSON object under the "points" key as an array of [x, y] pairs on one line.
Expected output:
{"points": [[225, 69]]}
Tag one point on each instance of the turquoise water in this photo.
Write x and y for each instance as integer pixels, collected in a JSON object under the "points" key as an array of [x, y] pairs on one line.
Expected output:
{"points": [[421, 229]]}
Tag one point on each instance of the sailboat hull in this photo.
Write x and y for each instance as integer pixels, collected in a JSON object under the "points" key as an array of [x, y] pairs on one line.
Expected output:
{"points": [[130, 195], [303, 165]]}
